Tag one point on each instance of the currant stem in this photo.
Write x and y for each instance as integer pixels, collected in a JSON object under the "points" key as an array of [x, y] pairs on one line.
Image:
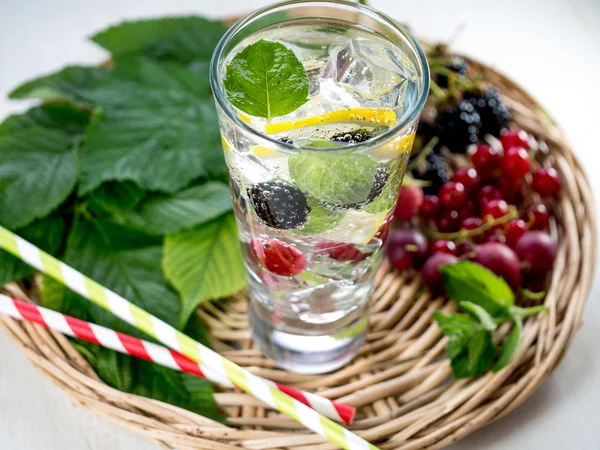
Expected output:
{"points": [[436, 90], [426, 151], [466, 234]]}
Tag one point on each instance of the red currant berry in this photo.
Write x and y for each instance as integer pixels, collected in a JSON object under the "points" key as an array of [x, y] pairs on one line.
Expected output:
{"points": [[537, 250], [429, 207], [278, 257], [465, 249], [537, 217], [489, 193], [468, 209], [514, 138], [511, 188], [468, 177], [546, 182], [448, 220], [486, 160], [494, 209], [515, 163], [443, 247], [496, 237], [452, 195], [513, 231], [472, 223]]}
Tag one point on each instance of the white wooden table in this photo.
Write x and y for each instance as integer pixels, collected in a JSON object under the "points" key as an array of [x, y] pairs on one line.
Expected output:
{"points": [[552, 47]]}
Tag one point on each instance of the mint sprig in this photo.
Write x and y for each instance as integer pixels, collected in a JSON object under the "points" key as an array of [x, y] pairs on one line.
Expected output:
{"points": [[266, 80], [488, 302]]}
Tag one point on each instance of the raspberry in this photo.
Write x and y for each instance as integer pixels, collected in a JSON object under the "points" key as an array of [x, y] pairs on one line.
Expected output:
{"points": [[278, 257]]}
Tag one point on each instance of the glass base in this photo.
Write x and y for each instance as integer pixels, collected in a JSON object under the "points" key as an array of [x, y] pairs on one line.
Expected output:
{"points": [[296, 350]]}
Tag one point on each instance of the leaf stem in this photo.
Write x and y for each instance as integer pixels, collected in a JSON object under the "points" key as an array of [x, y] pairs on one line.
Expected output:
{"points": [[423, 154], [466, 234], [531, 311]]}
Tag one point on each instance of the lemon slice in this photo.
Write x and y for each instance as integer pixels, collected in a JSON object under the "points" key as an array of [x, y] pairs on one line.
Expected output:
{"points": [[260, 150], [225, 144], [394, 148], [244, 118], [356, 228], [373, 115]]}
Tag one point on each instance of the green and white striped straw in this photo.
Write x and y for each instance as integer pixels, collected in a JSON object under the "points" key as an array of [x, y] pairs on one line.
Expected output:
{"points": [[178, 341]]}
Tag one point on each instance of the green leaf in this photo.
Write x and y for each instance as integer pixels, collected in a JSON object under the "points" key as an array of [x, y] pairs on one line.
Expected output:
{"points": [[139, 377], [267, 80], [161, 214], [54, 116], [337, 178], [458, 328], [70, 83], [47, 233], [205, 263], [510, 346], [185, 39], [389, 195], [38, 166], [320, 219], [125, 261], [115, 197], [477, 358], [158, 128], [481, 314], [469, 282]]}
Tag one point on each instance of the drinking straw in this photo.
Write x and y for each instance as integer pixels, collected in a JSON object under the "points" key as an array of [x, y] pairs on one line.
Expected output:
{"points": [[149, 351], [173, 338]]}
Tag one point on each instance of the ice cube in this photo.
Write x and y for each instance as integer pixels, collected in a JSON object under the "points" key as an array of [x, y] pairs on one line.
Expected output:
{"points": [[370, 71]]}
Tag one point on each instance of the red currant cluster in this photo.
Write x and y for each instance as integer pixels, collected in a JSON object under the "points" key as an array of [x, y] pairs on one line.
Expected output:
{"points": [[491, 211]]}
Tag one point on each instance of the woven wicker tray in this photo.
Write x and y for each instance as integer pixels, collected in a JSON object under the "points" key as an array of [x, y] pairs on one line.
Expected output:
{"points": [[399, 381]]}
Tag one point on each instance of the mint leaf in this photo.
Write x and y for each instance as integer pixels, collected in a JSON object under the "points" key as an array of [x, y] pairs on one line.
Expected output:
{"points": [[510, 346], [205, 263], [186, 39], [47, 233], [458, 328], [389, 195], [124, 260], [266, 80], [476, 358], [161, 214], [70, 83], [38, 166], [320, 219], [157, 128], [469, 282], [479, 313], [338, 178]]}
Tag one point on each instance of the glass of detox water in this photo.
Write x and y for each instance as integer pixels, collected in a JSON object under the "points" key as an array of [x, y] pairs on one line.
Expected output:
{"points": [[318, 103]]}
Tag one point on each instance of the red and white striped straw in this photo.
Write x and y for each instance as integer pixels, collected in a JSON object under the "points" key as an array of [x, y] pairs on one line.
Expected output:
{"points": [[155, 353]]}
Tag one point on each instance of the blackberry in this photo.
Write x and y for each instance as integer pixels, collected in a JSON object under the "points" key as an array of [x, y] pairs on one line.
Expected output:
{"points": [[425, 132], [494, 113], [381, 178], [458, 65], [435, 170], [458, 126], [279, 205]]}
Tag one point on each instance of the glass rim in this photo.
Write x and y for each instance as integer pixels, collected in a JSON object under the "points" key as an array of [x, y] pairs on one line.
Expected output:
{"points": [[380, 140]]}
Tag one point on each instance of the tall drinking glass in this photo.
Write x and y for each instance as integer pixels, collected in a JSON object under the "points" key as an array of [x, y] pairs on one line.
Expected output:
{"points": [[314, 189]]}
